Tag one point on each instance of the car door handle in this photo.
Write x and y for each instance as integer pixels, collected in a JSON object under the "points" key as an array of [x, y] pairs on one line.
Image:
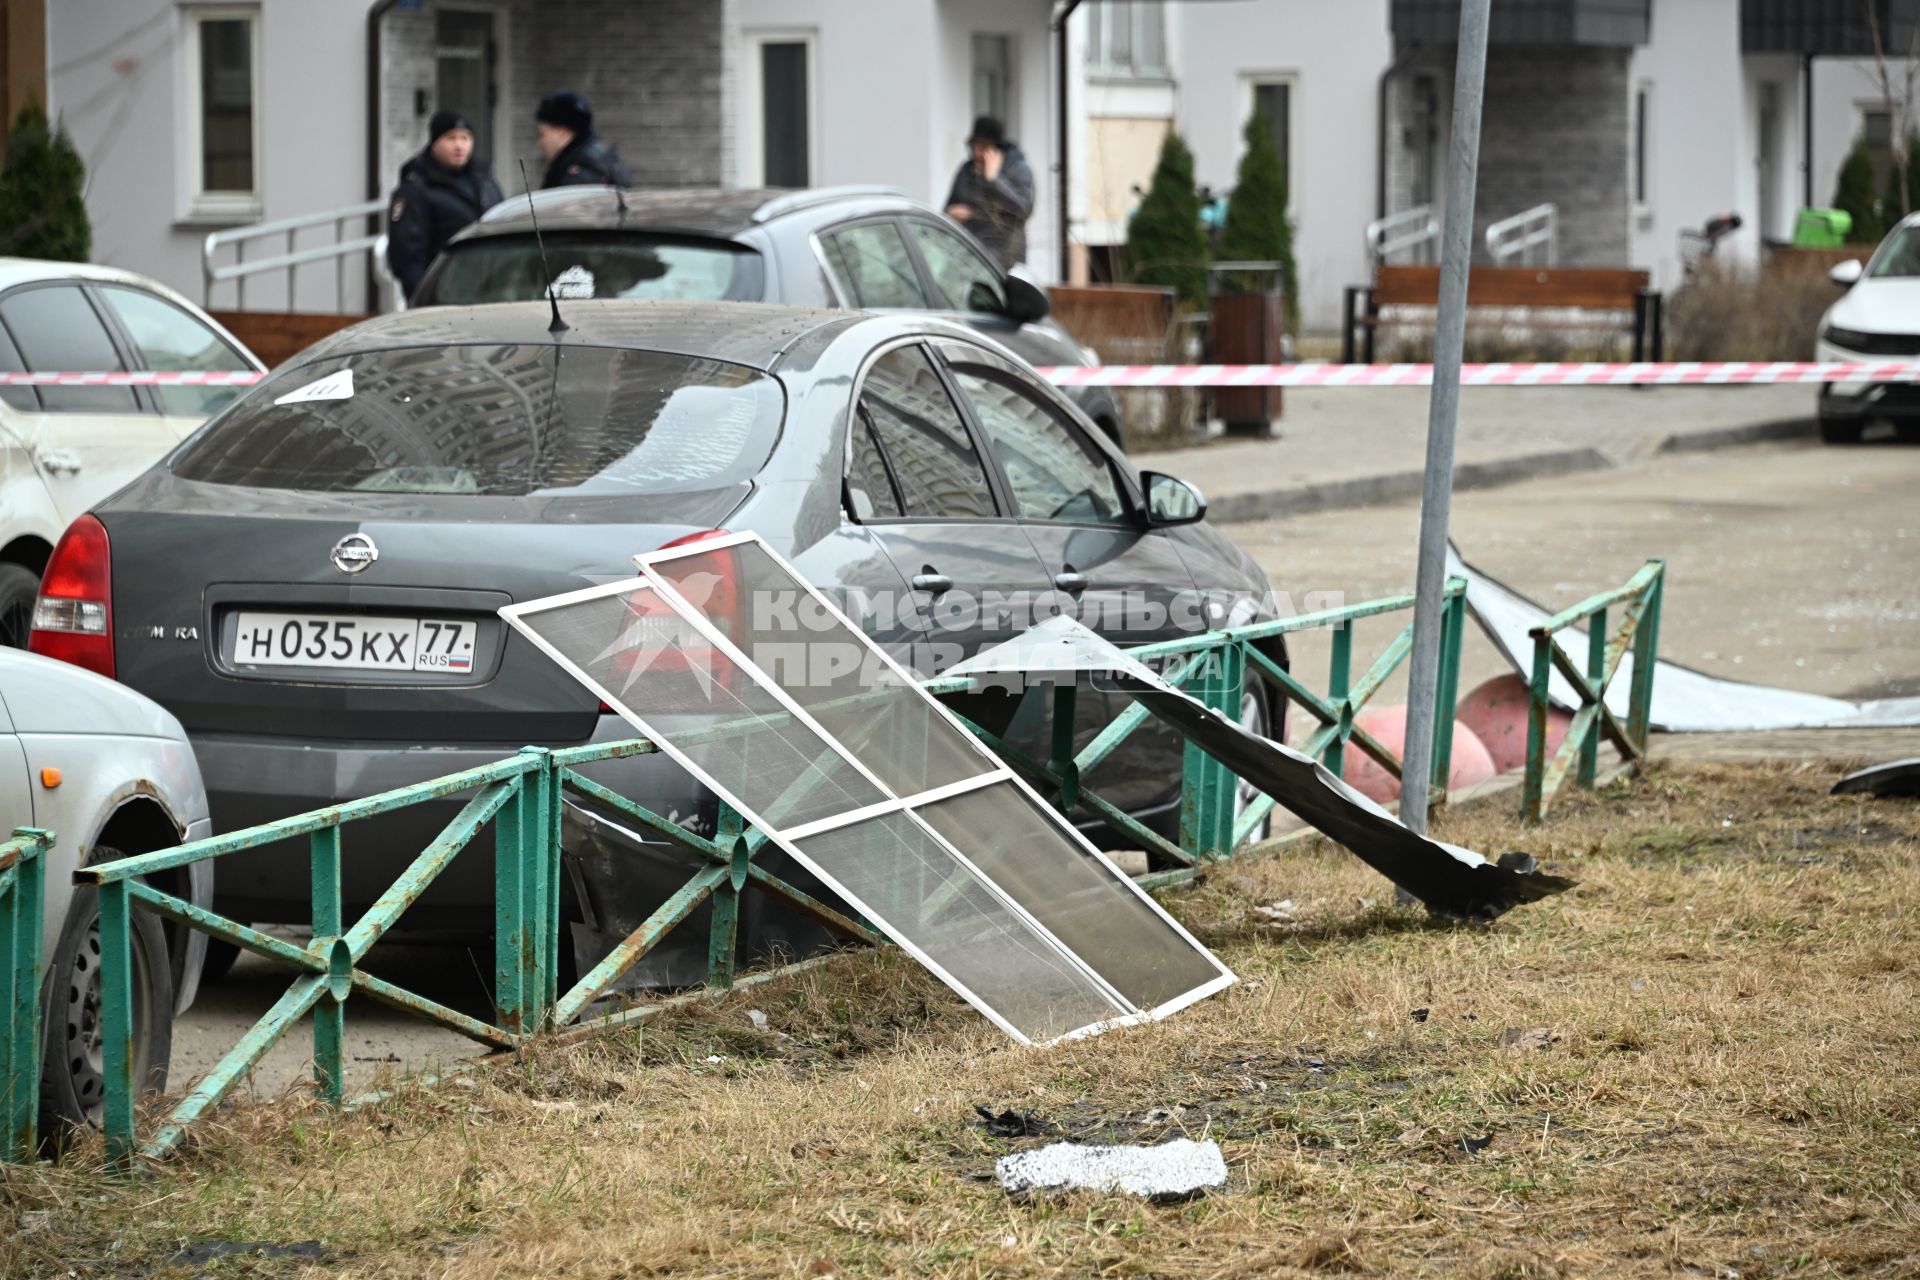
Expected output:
{"points": [[932, 583], [1070, 582], [58, 461]]}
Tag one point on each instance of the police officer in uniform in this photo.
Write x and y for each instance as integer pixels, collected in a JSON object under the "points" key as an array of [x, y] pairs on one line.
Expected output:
{"points": [[441, 190], [575, 155]]}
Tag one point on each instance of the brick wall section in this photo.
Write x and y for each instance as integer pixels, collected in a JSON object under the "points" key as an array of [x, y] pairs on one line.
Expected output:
{"points": [[1555, 129], [406, 64], [656, 71]]}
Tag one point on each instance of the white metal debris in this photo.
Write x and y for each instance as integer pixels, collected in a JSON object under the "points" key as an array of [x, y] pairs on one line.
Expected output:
{"points": [[1171, 1170]]}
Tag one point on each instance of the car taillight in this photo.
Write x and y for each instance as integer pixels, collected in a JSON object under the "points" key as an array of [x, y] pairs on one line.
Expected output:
{"points": [[711, 586], [73, 618]]}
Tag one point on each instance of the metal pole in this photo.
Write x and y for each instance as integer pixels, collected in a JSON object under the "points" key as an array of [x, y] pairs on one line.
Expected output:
{"points": [[1436, 502]]}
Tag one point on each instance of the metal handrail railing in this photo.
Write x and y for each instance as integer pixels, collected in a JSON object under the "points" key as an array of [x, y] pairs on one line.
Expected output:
{"points": [[23, 865], [1414, 228], [1516, 237], [1638, 628], [291, 258]]}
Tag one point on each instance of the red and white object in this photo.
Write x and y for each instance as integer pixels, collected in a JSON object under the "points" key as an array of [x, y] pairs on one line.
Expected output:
{"points": [[1682, 373], [1542, 374]]}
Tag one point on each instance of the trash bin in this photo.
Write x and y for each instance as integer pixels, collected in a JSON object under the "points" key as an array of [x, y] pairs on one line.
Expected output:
{"points": [[1821, 228], [1246, 324]]}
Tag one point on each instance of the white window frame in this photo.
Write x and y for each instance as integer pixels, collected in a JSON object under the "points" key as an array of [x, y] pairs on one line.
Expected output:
{"points": [[1097, 61], [752, 162], [1249, 83], [1641, 151], [199, 205]]}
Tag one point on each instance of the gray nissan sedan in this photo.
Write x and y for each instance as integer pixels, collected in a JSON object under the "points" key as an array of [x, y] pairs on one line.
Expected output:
{"points": [[310, 582]]}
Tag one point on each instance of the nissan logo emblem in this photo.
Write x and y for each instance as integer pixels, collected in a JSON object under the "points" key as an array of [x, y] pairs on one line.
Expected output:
{"points": [[354, 553]]}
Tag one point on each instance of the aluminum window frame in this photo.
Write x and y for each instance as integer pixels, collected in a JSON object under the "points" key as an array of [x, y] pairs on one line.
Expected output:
{"points": [[994, 771], [645, 561]]}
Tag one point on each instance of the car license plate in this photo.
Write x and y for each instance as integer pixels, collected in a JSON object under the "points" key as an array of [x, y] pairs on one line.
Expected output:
{"points": [[355, 643]]}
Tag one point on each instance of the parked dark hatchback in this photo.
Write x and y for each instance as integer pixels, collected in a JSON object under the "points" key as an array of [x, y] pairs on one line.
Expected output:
{"points": [[867, 247], [310, 583]]}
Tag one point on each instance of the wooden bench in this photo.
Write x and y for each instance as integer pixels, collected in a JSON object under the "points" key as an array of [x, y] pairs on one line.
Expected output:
{"points": [[1597, 289]]}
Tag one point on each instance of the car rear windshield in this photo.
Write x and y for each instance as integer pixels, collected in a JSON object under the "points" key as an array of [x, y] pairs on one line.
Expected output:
{"points": [[494, 419], [593, 264]]}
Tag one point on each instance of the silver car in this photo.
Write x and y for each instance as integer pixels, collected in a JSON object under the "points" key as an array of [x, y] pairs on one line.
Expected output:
{"points": [[110, 774]]}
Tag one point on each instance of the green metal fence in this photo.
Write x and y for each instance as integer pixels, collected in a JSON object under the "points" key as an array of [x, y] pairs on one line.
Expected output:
{"points": [[1214, 667], [521, 798], [23, 867], [1638, 628]]}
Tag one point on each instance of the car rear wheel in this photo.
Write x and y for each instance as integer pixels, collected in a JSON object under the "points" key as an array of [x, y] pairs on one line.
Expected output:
{"points": [[19, 586], [73, 1072]]}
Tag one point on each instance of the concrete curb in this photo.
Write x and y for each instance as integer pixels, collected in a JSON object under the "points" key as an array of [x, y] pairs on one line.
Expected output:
{"points": [[1397, 486], [1366, 491], [1745, 433]]}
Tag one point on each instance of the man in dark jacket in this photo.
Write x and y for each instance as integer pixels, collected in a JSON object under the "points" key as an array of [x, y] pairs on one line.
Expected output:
{"points": [[441, 190], [575, 156], [993, 192]]}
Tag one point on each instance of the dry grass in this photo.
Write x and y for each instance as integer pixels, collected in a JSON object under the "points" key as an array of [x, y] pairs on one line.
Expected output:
{"points": [[1727, 1083], [1732, 313]]}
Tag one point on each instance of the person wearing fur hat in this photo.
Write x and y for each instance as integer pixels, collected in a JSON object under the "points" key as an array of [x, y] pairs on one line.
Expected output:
{"points": [[575, 155], [992, 193], [441, 190]]}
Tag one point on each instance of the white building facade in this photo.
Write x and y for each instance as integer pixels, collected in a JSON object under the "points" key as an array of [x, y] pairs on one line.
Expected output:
{"points": [[1635, 118], [196, 117]]}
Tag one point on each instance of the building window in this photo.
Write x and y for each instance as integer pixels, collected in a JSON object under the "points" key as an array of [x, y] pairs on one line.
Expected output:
{"points": [[1876, 125], [1128, 38], [1273, 99], [221, 79], [1642, 105], [779, 118], [993, 78]]}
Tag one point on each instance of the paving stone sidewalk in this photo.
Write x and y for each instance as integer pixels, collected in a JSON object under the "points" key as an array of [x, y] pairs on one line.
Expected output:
{"points": [[1350, 447]]}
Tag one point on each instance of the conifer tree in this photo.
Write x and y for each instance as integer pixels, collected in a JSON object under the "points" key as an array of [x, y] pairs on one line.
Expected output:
{"points": [[1165, 242]]}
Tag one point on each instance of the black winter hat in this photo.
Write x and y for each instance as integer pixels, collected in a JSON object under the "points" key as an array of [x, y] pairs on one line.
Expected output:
{"points": [[567, 109], [446, 120], [988, 129]]}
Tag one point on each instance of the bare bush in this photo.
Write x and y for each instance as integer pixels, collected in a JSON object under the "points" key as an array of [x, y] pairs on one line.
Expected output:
{"points": [[1737, 313]]}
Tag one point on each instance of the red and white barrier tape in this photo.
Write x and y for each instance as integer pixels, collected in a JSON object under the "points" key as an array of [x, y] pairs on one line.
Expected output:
{"points": [[188, 378], [1685, 373]]}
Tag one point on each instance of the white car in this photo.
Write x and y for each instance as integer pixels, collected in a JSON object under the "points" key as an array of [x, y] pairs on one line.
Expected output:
{"points": [[110, 774], [1877, 319], [63, 449]]}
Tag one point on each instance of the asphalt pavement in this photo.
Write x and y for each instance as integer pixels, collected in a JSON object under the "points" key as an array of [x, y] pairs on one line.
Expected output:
{"points": [[1362, 446], [1789, 563]]}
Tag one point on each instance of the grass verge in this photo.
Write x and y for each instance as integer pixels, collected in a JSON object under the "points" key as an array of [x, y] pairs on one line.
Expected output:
{"points": [[1700, 1062]]}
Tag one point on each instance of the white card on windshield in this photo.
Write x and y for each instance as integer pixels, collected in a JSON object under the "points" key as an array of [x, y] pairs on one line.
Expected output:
{"points": [[335, 386]]}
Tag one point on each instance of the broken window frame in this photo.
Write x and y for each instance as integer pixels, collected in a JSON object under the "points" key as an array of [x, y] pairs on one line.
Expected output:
{"points": [[993, 771]]}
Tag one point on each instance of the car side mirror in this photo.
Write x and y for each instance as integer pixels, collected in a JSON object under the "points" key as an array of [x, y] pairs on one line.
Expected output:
{"points": [[1027, 302], [1171, 500], [1846, 274]]}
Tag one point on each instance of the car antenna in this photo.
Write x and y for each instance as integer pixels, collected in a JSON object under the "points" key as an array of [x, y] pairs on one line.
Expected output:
{"points": [[558, 326]]}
